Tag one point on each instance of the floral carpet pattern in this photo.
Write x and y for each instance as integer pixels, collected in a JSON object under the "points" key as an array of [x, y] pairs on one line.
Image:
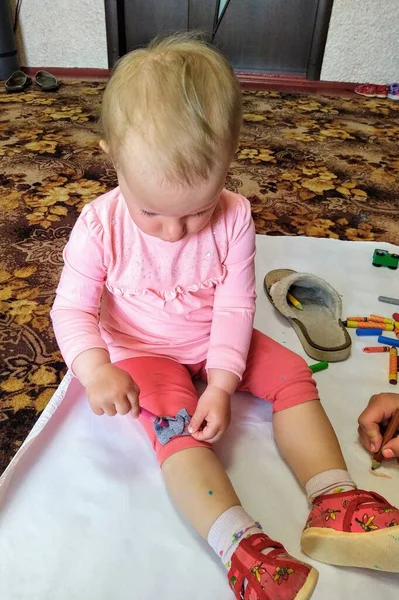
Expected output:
{"points": [[315, 166]]}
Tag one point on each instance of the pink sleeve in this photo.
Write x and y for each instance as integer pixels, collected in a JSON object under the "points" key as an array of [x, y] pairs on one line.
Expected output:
{"points": [[76, 306], [234, 301]]}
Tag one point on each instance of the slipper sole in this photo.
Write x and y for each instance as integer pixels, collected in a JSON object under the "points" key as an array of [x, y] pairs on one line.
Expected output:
{"points": [[374, 550], [312, 349]]}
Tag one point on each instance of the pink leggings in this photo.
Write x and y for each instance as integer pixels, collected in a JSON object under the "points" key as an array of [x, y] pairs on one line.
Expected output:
{"points": [[273, 373]]}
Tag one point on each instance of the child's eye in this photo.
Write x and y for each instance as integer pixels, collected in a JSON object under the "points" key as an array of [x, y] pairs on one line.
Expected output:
{"points": [[199, 214], [148, 214]]}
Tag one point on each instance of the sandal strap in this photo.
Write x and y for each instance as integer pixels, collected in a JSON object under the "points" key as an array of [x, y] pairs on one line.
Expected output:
{"points": [[239, 573]]}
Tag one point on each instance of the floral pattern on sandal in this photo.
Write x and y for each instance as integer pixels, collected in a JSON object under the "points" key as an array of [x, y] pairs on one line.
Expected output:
{"points": [[272, 576], [328, 533]]}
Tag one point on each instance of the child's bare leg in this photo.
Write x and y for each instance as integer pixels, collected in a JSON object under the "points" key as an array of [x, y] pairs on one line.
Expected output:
{"points": [[307, 440], [203, 493], [199, 487]]}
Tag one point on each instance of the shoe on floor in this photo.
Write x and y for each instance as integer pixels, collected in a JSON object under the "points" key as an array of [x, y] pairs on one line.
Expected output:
{"points": [[18, 82], [318, 325], [369, 90], [353, 529], [272, 576], [46, 81], [393, 92]]}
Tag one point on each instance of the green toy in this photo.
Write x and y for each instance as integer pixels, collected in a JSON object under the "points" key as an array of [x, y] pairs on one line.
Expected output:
{"points": [[382, 258]]}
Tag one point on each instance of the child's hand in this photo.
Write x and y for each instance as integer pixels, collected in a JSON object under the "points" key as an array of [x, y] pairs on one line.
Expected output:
{"points": [[212, 413], [111, 390], [380, 408]]}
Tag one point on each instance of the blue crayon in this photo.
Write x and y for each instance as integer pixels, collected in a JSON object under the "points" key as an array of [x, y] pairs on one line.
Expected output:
{"points": [[383, 339], [364, 332]]}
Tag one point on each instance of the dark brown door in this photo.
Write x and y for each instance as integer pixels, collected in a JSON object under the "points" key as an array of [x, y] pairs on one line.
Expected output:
{"points": [[270, 36]]}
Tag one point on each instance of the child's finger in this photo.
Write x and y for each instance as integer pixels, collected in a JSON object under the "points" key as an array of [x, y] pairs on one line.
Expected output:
{"points": [[207, 434], [123, 407], [134, 407], [197, 420]]}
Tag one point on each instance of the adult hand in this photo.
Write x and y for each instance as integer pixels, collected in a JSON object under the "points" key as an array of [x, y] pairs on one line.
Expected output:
{"points": [[212, 415], [111, 390], [380, 408]]}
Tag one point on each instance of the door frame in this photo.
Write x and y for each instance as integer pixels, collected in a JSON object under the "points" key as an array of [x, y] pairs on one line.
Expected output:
{"points": [[116, 40]]}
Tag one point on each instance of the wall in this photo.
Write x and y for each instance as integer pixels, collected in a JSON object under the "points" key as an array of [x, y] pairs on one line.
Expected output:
{"points": [[62, 33], [363, 43]]}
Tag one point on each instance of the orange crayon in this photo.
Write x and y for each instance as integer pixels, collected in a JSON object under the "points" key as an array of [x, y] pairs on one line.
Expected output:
{"points": [[369, 325], [393, 366], [357, 319], [396, 332], [372, 349], [377, 319]]}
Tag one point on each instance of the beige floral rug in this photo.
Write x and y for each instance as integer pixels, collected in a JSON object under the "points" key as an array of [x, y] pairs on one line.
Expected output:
{"points": [[315, 166]]}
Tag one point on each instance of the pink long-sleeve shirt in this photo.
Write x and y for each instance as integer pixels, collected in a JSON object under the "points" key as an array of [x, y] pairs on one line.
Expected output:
{"points": [[133, 294]]}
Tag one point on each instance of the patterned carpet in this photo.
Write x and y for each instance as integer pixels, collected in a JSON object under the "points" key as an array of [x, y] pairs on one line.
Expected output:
{"points": [[315, 166]]}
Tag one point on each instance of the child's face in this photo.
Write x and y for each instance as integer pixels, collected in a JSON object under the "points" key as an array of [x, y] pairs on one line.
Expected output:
{"points": [[166, 212]]}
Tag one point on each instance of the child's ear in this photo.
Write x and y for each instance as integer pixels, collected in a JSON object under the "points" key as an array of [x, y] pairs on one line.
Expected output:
{"points": [[104, 147]]}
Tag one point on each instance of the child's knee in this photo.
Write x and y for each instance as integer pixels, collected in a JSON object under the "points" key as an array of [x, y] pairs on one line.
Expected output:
{"points": [[296, 384]]}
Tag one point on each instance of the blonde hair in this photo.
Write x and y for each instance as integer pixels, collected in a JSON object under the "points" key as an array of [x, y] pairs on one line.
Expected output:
{"points": [[181, 101]]}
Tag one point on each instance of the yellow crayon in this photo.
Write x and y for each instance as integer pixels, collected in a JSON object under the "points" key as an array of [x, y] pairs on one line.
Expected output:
{"points": [[292, 300], [393, 366], [369, 325], [377, 319]]}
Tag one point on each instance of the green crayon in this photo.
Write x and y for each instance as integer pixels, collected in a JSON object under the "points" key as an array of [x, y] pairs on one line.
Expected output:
{"points": [[320, 366]]}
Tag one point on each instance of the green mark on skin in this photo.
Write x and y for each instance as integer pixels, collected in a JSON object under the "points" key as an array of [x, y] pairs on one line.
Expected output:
{"points": [[210, 493], [377, 567]]}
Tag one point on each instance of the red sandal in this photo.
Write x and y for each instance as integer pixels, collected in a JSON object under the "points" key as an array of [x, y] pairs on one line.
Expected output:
{"points": [[369, 90], [272, 576], [353, 529]]}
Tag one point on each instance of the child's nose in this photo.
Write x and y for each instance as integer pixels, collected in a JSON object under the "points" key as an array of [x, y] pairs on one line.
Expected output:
{"points": [[174, 230]]}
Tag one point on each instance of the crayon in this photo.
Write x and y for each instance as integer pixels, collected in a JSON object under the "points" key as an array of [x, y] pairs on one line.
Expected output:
{"points": [[395, 316], [372, 349], [393, 366], [358, 319], [149, 415], [377, 319], [390, 432], [383, 339], [364, 332], [320, 366], [292, 300], [389, 300], [396, 332], [369, 325]]}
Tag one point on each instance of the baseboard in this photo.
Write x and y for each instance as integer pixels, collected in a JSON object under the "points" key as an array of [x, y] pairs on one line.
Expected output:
{"points": [[257, 81], [73, 73]]}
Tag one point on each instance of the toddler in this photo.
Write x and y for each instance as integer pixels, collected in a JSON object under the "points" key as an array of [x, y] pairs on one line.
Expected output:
{"points": [[158, 289]]}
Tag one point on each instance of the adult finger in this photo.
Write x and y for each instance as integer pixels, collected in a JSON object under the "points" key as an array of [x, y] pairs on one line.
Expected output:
{"points": [[370, 420], [391, 449], [366, 440]]}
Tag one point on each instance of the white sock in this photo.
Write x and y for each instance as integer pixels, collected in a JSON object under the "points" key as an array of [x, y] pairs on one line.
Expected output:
{"points": [[229, 529], [334, 481]]}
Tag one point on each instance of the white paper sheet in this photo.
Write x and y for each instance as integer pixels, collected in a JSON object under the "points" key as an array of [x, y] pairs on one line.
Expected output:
{"points": [[84, 513]]}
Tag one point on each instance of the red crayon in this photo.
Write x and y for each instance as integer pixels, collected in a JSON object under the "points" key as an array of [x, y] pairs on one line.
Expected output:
{"points": [[372, 349]]}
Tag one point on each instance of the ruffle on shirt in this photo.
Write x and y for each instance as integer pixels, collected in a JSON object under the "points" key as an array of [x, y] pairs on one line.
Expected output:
{"points": [[169, 294]]}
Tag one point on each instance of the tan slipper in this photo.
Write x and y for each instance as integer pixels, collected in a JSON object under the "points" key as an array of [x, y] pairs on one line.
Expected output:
{"points": [[318, 325]]}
